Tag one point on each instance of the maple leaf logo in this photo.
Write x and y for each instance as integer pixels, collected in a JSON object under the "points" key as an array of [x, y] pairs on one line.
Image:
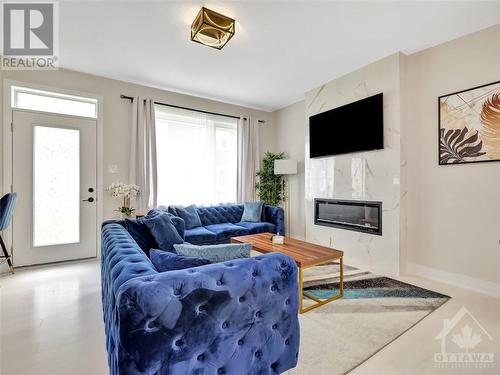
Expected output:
{"points": [[467, 340]]}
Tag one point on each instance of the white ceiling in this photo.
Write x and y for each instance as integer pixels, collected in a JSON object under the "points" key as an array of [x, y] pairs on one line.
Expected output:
{"points": [[281, 48]]}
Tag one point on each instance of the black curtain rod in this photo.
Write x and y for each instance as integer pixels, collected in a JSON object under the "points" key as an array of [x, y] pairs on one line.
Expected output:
{"points": [[131, 98]]}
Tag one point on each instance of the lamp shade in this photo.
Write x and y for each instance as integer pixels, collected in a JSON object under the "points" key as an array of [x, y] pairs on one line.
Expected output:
{"points": [[285, 166]]}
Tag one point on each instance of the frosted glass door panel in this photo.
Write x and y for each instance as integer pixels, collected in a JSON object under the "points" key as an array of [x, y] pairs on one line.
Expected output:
{"points": [[56, 186], [55, 177]]}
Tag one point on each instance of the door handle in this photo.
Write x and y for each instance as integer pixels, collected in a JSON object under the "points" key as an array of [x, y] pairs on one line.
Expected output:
{"points": [[88, 200]]}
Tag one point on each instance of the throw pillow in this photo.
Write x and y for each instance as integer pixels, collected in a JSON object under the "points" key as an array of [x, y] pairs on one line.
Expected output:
{"points": [[140, 233], [215, 253], [173, 209], [176, 220], [164, 232], [165, 261], [252, 211], [190, 216]]}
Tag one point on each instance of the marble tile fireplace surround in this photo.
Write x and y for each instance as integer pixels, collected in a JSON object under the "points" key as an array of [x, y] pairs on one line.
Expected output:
{"points": [[371, 176]]}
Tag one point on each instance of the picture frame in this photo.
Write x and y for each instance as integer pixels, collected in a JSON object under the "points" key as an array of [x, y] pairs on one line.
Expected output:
{"points": [[469, 125]]}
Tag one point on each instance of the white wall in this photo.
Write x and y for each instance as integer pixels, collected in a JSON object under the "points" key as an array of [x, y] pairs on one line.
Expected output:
{"points": [[290, 130], [454, 211]]}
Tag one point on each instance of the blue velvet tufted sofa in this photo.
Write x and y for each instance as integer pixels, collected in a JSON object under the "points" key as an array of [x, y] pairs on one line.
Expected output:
{"points": [[238, 317], [220, 223]]}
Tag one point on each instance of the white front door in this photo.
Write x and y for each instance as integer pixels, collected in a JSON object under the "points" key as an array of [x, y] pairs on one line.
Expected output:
{"points": [[54, 175]]}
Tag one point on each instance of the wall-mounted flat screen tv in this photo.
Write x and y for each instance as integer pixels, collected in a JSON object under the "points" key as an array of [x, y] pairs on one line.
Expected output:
{"points": [[354, 127]]}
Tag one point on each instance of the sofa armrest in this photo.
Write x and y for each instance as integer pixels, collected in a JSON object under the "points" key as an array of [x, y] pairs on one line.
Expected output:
{"points": [[276, 216], [113, 221], [237, 317]]}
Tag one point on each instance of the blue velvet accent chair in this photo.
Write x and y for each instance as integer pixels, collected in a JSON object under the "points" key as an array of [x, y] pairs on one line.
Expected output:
{"points": [[238, 317], [7, 205], [220, 223]]}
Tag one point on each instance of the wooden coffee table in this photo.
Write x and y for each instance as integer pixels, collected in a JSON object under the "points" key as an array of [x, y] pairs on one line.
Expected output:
{"points": [[305, 254]]}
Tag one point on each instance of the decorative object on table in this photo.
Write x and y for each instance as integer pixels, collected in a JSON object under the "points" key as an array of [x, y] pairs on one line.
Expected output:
{"points": [[278, 240], [270, 187], [215, 253], [286, 167], [469, 125], [252, 212], [125, 191], [7, 204]]}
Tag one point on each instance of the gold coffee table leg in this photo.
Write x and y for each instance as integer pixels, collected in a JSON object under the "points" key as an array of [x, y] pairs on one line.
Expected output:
{"points": [[319, 302], [341, 284]]}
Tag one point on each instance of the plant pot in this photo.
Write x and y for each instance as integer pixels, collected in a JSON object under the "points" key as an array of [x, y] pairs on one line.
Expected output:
{"points": [[125, 216]]}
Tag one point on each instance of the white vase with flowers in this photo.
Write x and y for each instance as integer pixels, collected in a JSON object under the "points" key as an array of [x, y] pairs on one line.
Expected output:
{"points": [[126, 192]]}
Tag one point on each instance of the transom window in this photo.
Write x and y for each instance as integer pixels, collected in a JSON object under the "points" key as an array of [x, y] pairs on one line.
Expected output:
{"points": [[46, 101], [196, 157]]}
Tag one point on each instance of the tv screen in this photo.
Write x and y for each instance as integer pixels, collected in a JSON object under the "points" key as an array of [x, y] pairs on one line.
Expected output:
{"points": [[357, 126]]}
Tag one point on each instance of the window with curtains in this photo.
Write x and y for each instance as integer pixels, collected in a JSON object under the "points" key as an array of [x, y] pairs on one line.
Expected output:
{"points": [[196, 157]]}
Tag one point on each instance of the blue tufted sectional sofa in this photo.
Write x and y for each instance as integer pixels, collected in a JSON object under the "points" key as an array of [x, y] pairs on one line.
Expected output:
{"points": [[238, 317], [220, 223]]}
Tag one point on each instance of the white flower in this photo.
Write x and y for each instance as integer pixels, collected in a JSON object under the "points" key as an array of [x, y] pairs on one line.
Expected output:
{"points": [[122, 190]]}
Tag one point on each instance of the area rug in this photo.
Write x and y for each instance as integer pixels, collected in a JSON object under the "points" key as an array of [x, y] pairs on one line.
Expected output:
{"points": [[375, 310]]}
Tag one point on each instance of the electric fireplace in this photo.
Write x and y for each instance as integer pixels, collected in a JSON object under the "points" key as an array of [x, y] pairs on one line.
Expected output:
{"points": [[360, 216]]}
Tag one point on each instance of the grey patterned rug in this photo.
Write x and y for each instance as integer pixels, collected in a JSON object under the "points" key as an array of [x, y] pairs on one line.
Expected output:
{"points": [[323, 282], [375, 310]]}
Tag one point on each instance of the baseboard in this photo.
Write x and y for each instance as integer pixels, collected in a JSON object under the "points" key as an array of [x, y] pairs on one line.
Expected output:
{"points": [[297, 237], [455, 279], [4, 269]]}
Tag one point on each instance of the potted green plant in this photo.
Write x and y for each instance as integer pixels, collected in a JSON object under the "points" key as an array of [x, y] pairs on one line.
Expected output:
{"points": [[270, 188]]}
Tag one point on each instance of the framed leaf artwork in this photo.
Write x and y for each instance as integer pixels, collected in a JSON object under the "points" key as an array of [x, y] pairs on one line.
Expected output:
{"points": [[469, 125]]}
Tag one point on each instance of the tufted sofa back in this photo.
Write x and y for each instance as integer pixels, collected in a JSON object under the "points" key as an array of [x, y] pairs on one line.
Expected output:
{"points": [[238, 317], [232, 213], [220, 214]]}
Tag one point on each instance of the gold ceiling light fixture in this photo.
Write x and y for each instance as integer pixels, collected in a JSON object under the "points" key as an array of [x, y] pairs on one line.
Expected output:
{"points": [[212, 29]]}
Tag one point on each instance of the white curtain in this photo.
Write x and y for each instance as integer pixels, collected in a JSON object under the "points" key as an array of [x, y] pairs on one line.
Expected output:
{"points": [[248, 159], [142, 171]]}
